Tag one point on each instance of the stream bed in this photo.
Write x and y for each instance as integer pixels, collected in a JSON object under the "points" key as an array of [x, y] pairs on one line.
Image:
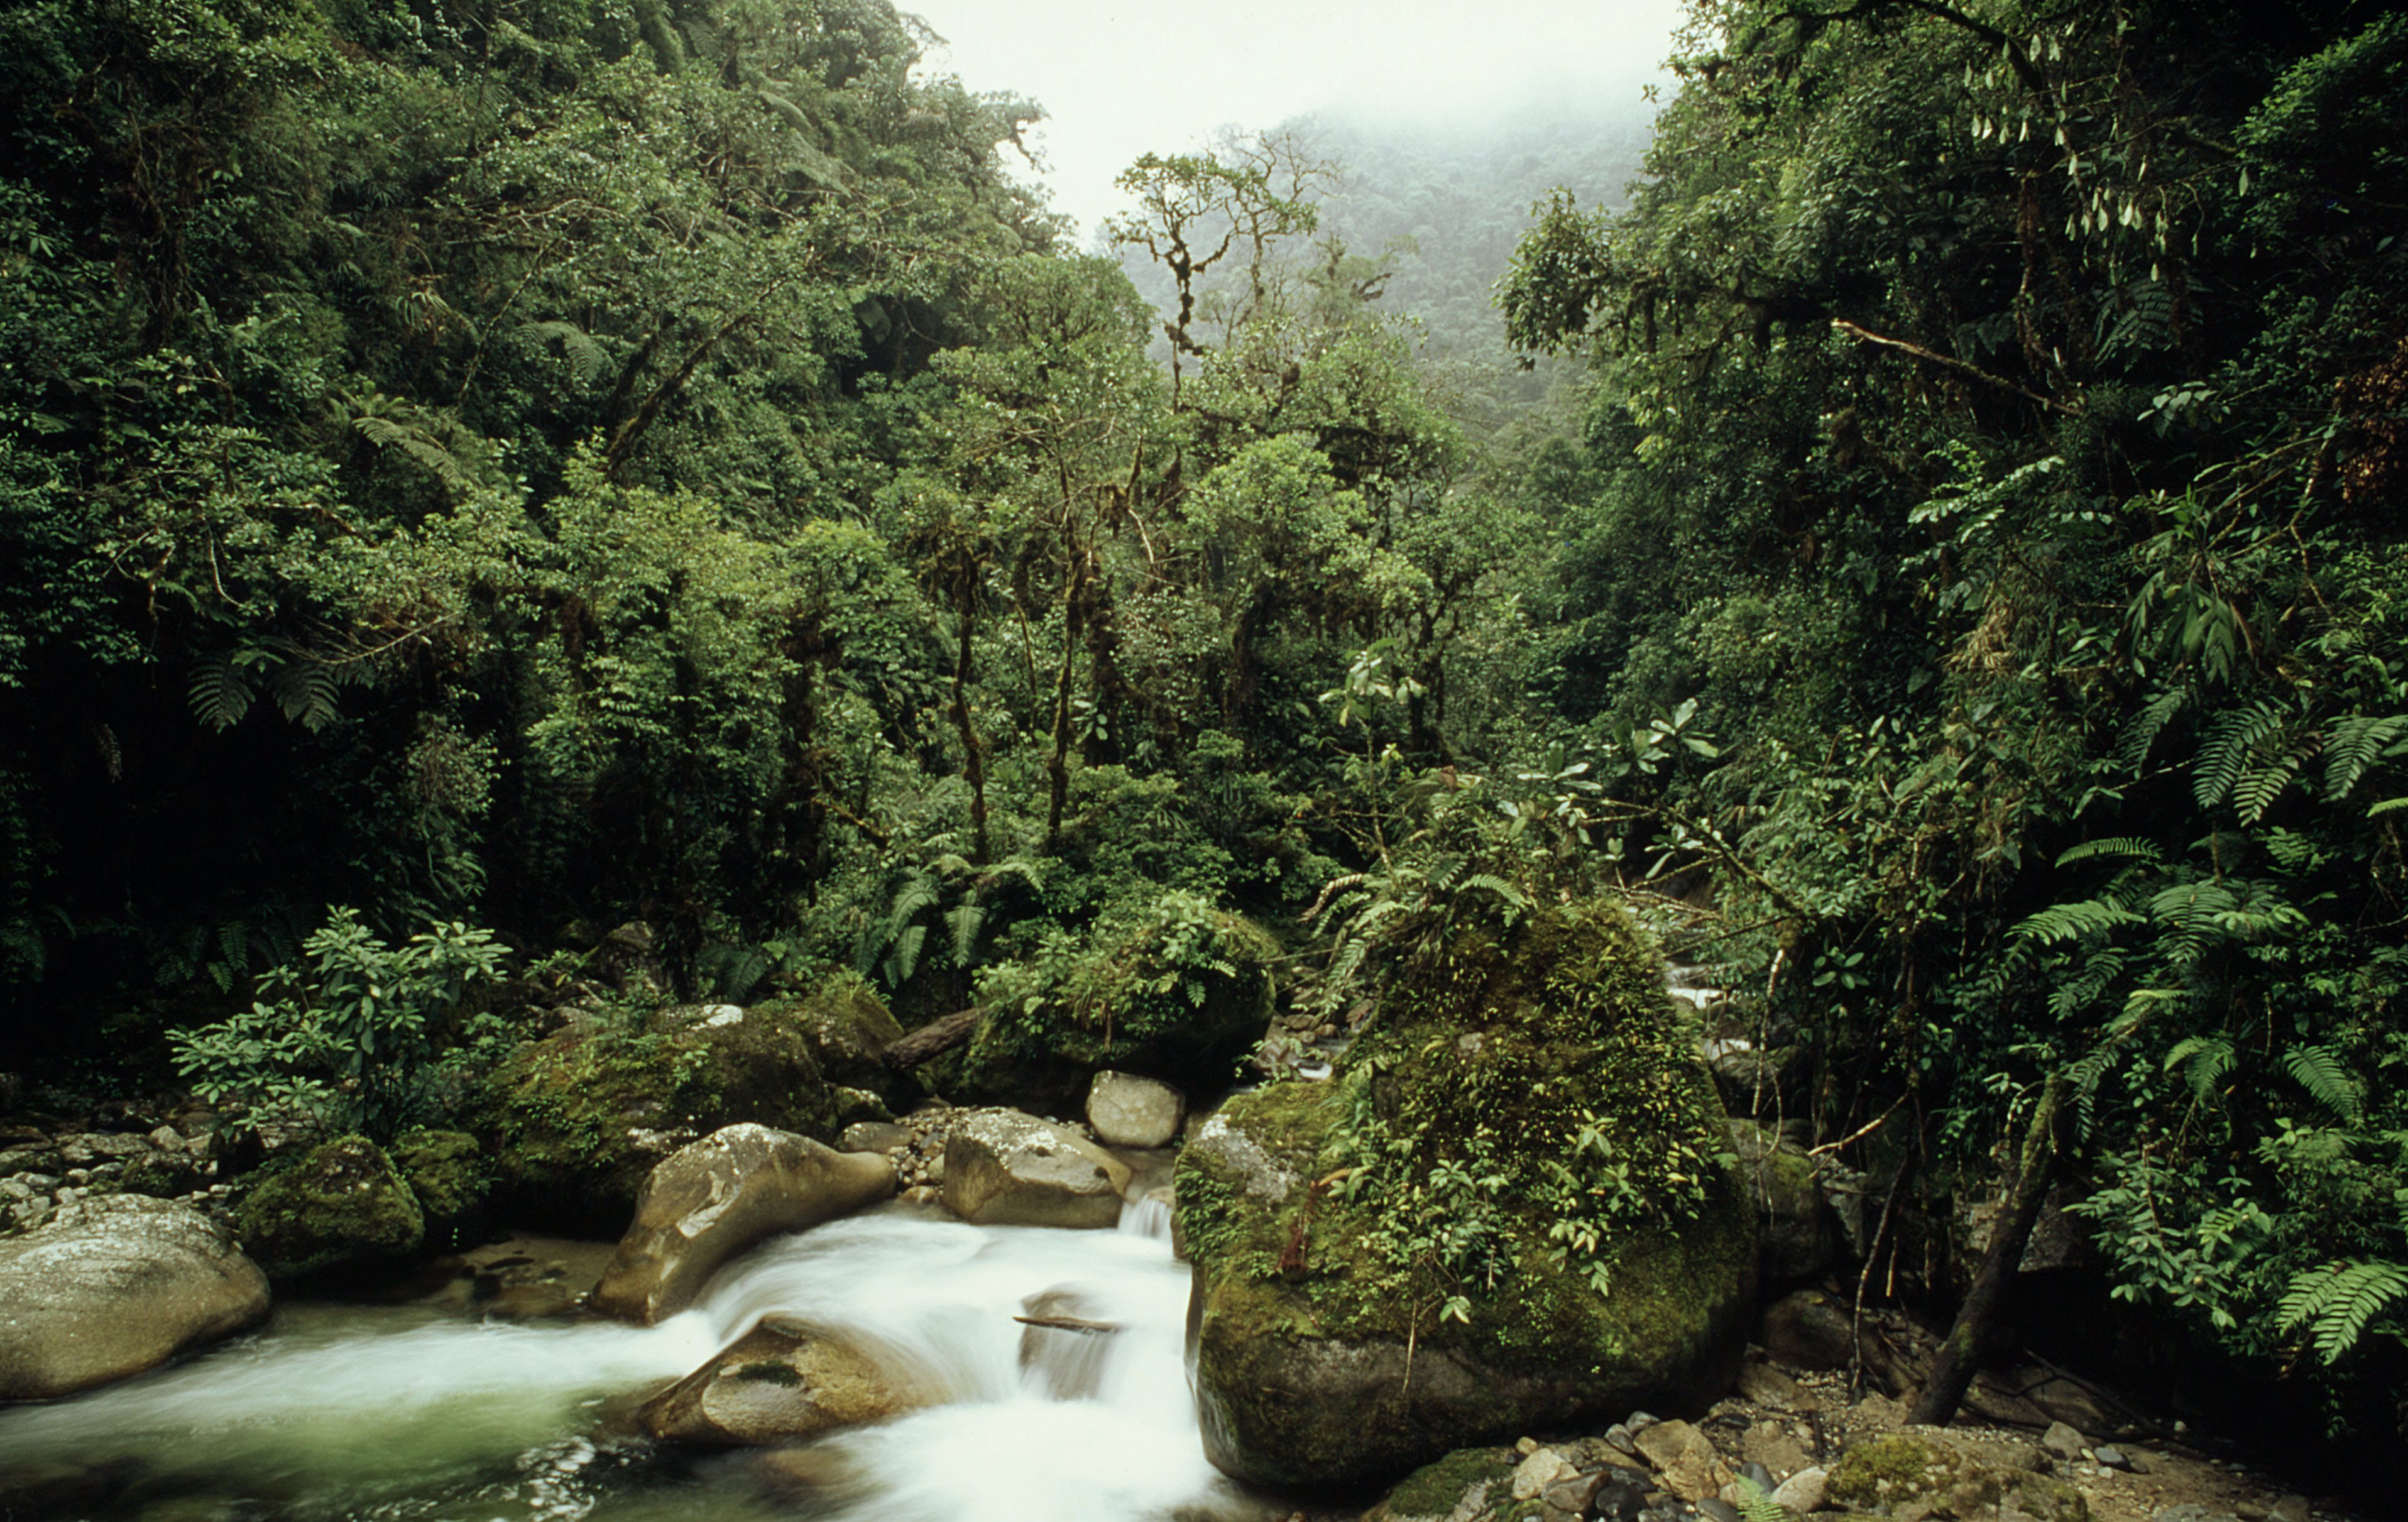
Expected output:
{"points": [[340, 1411]]}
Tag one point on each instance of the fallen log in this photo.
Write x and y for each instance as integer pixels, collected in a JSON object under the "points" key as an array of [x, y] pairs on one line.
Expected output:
{"points": [[937, 1037], [1076, 1324]]}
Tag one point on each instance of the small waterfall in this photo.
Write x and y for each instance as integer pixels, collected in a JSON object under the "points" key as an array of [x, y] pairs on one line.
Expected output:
{"points": [[1148, 1217], [1058, 1358]]}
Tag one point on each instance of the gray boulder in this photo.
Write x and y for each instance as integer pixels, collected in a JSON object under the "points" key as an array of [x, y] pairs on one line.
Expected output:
{"points": [[780, 1381], [712, 1199], [1126, 1110], [113, 1286], [1003, 1167]]}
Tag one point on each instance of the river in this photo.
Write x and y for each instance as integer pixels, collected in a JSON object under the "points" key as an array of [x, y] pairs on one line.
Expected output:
{"points": [[338, 1411]]}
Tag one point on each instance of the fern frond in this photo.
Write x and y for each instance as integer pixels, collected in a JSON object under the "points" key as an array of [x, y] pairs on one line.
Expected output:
{"points": [[2320, 1072], [964, 922], [2132, 749], [305, 691], [2258, 788], [2352, 746], [218, 692], [2206, 1061], [2121, 847], [2078, 921], [903, 956], [2338, 1301], [2232, 742]]}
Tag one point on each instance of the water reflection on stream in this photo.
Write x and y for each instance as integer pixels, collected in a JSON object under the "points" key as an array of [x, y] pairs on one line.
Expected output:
{"points": [[344, 1412]]}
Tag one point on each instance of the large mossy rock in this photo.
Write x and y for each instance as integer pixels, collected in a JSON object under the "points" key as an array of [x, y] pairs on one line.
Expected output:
{"points": [[574, 1124], [1181, 994], [715, 1197], [446, 1171], [1798, 1235], [115, 1285], [343, 1205], [849, 1028], [1511, 1209]]}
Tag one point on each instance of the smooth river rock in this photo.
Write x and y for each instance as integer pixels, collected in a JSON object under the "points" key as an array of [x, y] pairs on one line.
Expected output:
{"points": [[712, 1199], [780, 1381], [1003, 1167], [1126, 1110], [113, 1286]]}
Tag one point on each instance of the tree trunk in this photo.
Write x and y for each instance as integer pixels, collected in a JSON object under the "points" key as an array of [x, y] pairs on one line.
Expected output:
{"points": [[1057, 765], [1960, 1355], [973, 757]]}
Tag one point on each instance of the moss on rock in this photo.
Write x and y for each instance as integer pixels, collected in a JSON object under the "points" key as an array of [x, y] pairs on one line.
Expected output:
{"points": [[1516, 1187], [1469, 1478], [1943, 1480], [1181, 994], [848, 1027], [446, 1171], [575, 1123], [342, 1206]]}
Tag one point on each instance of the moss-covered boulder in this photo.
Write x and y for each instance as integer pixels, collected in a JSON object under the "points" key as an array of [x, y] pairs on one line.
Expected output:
{"points": [[1511, 1209], [1181, 993], [574, 1124], [446, 1171], [849, 1028], [1943, 1477], [342, 1205], [1798, 1235]]}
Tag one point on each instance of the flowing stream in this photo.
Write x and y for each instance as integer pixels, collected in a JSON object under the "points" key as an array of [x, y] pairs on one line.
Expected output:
{"points": [[364, 1411]]}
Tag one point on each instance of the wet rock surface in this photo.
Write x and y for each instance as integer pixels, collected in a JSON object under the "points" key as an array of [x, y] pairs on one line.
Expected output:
{"points": [[1126, 1110], [1003, 1167], [113, 1286], [712, 1200], [782, 1381]]}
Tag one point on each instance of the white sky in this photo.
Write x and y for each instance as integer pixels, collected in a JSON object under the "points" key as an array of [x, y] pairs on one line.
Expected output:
{"points": [[1120, 78]]}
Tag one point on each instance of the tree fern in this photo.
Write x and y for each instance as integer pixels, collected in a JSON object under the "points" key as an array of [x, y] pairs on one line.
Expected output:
{"points": [[2337, 1302], [588, 361]]}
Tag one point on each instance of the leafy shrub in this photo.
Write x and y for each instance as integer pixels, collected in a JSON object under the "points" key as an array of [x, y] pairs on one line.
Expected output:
{"points": [[351, 1039]]}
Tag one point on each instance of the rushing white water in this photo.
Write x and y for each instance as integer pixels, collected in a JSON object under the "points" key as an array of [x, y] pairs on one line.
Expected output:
{"points": [[353, 1411]]}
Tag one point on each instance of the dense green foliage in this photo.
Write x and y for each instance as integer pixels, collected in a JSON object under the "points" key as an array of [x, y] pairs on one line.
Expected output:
{"points": [[580, 462], [1996, 436]]}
